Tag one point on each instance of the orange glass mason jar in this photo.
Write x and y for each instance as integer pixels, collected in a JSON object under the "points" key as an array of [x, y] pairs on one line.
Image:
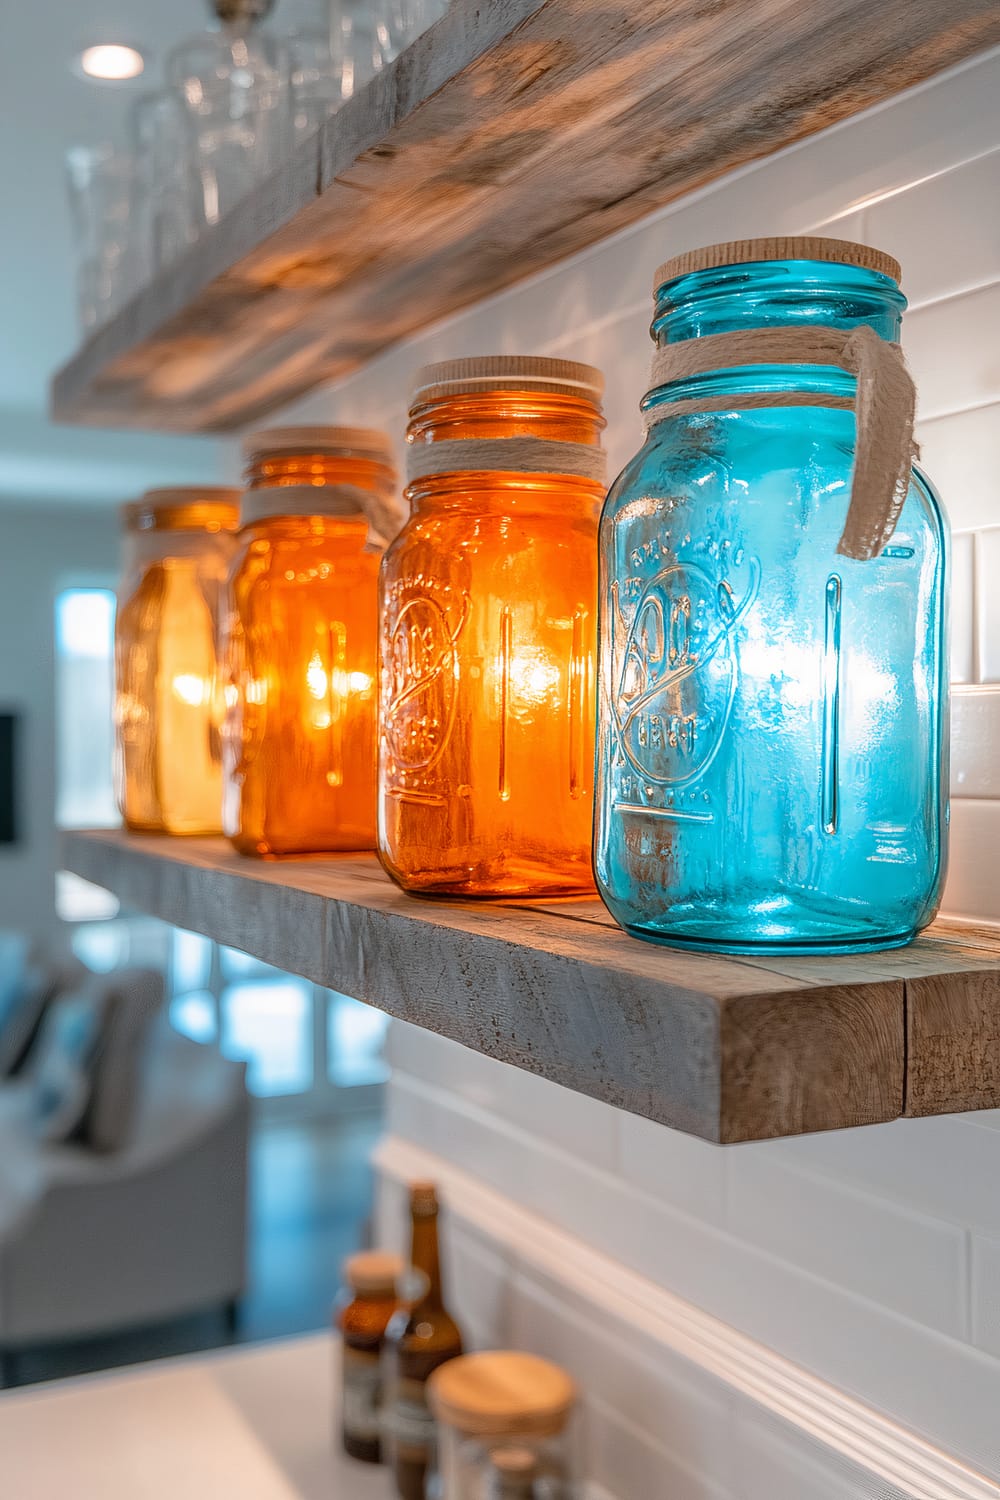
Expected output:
{"points": [[299, 753], [488, 601], [178, 544]]}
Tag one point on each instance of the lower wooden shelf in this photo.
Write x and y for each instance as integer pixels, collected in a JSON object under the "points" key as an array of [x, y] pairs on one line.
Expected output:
{"points": [[728, 1049]]}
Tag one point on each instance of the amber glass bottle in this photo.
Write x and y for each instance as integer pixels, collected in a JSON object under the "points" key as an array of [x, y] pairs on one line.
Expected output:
{"points": [[420, 1338], [169, 708], [488, 619], [371, 1276], [300, 759]]}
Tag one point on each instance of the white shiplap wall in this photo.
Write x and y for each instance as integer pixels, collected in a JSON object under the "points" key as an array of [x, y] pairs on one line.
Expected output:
{"points": [[869, 1258]]}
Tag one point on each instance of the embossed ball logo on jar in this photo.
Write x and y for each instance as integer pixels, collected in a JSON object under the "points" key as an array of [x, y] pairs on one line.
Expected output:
{"points": [[420, 661], [676, 674]]}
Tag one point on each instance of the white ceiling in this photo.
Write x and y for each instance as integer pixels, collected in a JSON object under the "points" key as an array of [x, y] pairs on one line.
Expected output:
{"points": [[44, 108]]}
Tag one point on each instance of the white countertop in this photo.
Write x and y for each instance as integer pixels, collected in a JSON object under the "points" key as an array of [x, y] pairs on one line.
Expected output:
{"points": [[250, 1423]]}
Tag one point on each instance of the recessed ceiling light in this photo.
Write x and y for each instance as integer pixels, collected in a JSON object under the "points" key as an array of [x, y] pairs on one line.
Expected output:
{"points": [[111, 61]]}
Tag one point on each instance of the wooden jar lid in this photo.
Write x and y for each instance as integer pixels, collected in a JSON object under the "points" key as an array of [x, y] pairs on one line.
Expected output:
{"points": [[373, 1271], [205, 507], [501, 1393], [780, 247], [520, 372], [362, 442], [191, 494]]}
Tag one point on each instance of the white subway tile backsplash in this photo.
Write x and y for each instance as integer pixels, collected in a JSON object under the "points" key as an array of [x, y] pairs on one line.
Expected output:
{"points": [[678, 1169], [938, 1166], [479, 1282], [963, 599], [975, 738], [988, 603], [972, 886], [895, 1257], [561, 1187], [961, 454], [927, 130], [986, 1293], [623, 351], [938, 1385], [777, 1462], [390, 1218], [953, 353], [626, 1461], [568, 1119], [688, 1411], [945, 231]]}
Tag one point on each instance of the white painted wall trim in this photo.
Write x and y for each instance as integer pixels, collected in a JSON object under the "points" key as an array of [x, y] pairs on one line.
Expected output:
{"points": [[840, 1421]]}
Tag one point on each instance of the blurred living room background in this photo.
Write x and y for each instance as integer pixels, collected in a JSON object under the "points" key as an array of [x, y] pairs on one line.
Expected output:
{"points": [[240, 1180], [814, 1317]]}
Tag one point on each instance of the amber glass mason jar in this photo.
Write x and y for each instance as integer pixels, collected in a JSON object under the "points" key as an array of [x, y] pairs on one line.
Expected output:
{"points": [[300, 757], [168, 691], [488, 601]]}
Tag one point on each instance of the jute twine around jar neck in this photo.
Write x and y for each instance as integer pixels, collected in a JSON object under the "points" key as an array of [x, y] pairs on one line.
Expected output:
{"points": [[884, 405], [502, 375], [512, 455], [381, 508], [377, 502]]}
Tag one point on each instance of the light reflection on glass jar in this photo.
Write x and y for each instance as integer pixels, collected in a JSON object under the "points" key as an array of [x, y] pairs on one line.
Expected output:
{"points": [[169, 699], [300, 727], [488, 634]]}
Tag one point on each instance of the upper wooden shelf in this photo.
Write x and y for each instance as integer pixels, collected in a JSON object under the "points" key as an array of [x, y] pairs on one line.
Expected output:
{"points": [[511, 134], [729, 1049]]}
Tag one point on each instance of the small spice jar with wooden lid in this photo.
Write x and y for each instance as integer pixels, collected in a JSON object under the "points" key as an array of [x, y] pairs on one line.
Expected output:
{"points": [[362, 1319], [505, 1428]]}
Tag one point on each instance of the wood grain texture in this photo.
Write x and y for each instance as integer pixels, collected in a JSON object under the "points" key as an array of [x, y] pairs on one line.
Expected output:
{"points": [[953, 1041], [728, 1049], [512, 134]]}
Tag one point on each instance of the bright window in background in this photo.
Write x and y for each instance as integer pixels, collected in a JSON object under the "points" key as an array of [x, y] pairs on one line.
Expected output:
{"points": [[270, 1024], [296, 1038], [194, 1015], [101, 945], [85, 626], [236, 965], [190, 961], [355, 1038]]}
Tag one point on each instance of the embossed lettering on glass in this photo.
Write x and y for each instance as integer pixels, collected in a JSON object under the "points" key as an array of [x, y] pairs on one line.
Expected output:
{"points": [[772, 690], [488, 619]]}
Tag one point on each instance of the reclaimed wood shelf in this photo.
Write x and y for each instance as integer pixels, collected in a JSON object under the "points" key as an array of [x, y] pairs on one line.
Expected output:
{"points": [[730, 1049], [510, 135]]}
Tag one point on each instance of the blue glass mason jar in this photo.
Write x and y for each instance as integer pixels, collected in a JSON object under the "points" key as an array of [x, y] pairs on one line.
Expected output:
{"points": [[772, 735]]}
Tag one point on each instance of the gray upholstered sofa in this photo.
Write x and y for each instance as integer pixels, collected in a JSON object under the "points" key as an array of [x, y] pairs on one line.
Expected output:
{"points": [[95, 1240]]}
